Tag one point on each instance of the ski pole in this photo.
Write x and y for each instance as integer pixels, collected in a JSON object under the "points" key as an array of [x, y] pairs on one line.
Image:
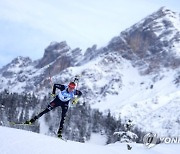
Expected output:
{"points": [[50, 78], [76, 80]]}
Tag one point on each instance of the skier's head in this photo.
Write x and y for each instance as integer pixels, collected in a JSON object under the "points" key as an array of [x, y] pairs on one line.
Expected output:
{"points": [[71, 86]]}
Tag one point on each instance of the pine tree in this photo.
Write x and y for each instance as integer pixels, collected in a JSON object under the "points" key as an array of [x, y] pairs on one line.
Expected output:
{"points": [[126, 135]]}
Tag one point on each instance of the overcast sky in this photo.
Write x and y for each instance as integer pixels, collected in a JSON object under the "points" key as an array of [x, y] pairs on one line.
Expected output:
{"points": [[28, 26]]}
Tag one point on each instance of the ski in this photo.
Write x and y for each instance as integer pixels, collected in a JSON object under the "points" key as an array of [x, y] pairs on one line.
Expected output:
{"points": [[20, 124], [63, 139], [54, 134]]}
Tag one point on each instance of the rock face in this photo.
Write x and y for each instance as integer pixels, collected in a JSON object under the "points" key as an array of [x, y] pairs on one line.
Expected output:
{"points": [[152, 41], [53, 52], [35, 75]]}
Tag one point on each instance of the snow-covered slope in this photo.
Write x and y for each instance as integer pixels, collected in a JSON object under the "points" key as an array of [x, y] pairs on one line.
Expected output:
{"points": [[15, 141], [151, 101]]}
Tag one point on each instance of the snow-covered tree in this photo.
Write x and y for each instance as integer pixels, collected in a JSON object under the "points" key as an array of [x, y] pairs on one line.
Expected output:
{"points": [[126, 135]]}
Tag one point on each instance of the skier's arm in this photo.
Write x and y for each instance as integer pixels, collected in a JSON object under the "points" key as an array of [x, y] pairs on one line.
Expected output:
{"points": [[78, 94], [58, 86]]}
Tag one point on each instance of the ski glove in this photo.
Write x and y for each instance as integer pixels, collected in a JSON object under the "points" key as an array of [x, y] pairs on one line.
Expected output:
{"points": [[53, 95], [75, 100]]}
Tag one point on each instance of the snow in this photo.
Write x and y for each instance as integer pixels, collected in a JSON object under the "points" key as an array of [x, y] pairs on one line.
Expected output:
{"points": [[135, 99], [97, 139], [145, 99], [129, 98], [14, 141]]}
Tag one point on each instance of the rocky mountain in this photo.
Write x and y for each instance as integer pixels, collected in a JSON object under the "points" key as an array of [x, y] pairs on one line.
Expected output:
{"points": [[23, 74], [154, 40], [136, 75]]}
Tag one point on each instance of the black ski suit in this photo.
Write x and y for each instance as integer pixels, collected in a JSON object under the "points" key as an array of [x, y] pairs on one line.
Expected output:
{"points": [[62, 99]]}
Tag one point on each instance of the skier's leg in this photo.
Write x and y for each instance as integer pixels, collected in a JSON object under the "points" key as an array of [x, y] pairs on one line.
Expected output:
{"points": [[63, 116], [32, 120], [51, 106]]}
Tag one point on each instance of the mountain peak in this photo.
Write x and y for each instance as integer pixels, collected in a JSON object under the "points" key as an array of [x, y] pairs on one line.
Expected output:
{"points": [[165, 14], [53, 51], [21, 59], [18, 62], [163, 17], [166, 11], [57, 46], [154, 41]]}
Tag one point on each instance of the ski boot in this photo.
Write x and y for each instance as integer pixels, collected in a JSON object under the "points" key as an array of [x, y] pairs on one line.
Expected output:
{"points": [[29, 122], [129, 147], [59, 133]]}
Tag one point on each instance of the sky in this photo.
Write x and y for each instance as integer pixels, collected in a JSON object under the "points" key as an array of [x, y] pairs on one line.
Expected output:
{"points": [[27, 27]]}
